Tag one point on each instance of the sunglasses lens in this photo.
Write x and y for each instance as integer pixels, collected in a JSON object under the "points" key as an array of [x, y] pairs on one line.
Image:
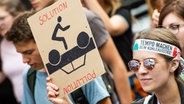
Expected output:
{"points": [[149, 63], [133, 65]]}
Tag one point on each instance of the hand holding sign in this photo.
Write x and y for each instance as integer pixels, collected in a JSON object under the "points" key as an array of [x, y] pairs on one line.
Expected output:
{"points": [[70, 64], [52, 93]]}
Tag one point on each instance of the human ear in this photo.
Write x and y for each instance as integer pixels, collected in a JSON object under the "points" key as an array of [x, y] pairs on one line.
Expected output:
{"points": [[174, 65]]}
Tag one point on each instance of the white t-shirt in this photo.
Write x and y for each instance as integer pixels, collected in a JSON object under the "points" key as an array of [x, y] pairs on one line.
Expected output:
{"points": [[13, 67]]}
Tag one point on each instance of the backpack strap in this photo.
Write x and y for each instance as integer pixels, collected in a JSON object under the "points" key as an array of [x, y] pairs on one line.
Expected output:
{"points": [[31, 79], [79, 97], [109, 83], [146, 100]]}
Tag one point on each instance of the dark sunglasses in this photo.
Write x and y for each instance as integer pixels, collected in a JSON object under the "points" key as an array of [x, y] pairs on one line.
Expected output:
{"points": [[148, 63]]}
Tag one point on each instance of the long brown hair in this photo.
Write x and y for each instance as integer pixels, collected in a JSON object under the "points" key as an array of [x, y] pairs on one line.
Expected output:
{"points": [[176, 7], [113, 5]]}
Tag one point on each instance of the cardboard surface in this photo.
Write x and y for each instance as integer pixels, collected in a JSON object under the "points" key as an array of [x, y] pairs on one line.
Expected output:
{"points": [[66, 45]]}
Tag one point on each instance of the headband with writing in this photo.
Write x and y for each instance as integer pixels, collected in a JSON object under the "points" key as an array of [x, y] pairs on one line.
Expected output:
{"points": [[157, 46]]}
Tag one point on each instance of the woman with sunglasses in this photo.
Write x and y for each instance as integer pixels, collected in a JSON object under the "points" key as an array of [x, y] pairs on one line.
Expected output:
{"points": [[156, 62]]}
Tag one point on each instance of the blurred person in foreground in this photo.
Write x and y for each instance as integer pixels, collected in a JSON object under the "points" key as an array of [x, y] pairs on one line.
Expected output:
{"points": [[12, 65]]}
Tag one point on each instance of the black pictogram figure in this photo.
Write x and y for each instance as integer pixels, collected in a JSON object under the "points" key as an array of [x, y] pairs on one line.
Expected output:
{"points": [[58, 26], [56, 61]]}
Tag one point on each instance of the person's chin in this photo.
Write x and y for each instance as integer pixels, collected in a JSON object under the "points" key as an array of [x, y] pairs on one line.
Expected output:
{"points": [[3, 33], [38, 9], [34, 66], [147, 88]]}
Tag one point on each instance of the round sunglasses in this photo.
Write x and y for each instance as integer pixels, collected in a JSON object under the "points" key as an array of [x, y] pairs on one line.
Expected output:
{"points": [[149, 63]]}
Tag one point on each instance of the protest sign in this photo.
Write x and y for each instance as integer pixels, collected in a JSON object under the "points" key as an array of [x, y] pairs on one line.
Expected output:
{"points": [[66, 45]]}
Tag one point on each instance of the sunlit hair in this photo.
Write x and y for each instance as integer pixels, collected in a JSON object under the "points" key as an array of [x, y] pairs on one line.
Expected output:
{"points": [[162, 35], [159, 4], [14, 7], [112, 4], [176, 7]]}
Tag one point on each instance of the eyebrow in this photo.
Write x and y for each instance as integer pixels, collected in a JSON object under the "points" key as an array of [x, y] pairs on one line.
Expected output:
{"points": [[28, 51], [2, 17]]}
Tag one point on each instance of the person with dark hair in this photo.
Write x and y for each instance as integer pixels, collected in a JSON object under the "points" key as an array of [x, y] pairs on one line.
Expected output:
{"points": [[21, 36]]}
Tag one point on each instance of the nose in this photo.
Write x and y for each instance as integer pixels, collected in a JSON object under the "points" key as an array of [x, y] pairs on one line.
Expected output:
{"points": [[142, 69], [25, 59], [1, 24]]}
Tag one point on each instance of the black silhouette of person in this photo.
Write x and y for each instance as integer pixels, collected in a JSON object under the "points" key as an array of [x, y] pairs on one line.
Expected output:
{"points": [[54, 35], [57, 61]]}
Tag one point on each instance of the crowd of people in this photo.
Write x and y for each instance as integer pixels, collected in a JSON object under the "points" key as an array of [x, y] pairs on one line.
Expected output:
{"points": [[144, 68]]}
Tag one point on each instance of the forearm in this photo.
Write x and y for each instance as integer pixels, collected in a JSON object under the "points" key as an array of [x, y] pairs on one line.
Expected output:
{"points": [[122, 84], [105, 101], [111, 56], [94, 6]]}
